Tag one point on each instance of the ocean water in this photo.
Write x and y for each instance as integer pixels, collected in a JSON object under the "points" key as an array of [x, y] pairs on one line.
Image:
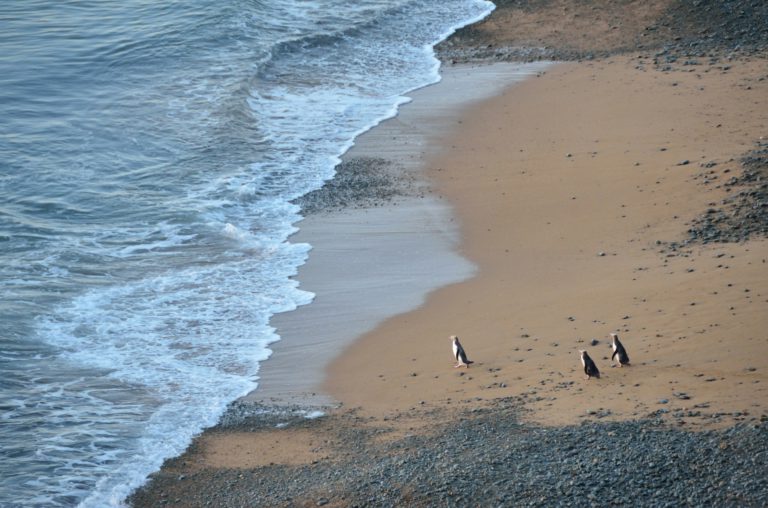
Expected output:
{"points": [[149, 153]]}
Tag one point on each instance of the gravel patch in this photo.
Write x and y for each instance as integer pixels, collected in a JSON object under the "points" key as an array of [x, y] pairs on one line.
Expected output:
{"points": [[710, 29], [740, 216], [486, 457], [360, 182], [744, 213], [713, 28]]}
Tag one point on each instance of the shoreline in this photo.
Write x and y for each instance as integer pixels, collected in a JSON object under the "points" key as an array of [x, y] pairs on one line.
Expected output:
{"points": [[578, 220], [394, 250]]}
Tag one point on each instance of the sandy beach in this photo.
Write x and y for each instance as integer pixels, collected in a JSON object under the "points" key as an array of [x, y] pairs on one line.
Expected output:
{"points": [[616, 192], [569, 188]]}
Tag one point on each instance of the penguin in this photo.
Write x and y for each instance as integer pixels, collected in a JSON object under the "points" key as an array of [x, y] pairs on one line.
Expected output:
{"points": [[459, 353], [590, 369], [618, 351]]}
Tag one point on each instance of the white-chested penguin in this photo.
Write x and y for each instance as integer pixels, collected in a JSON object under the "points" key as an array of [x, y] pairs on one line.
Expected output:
{"points": [[618, 351], [590, 369], [459, 353]]}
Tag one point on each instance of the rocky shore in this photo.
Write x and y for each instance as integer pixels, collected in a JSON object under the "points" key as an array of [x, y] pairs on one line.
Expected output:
{"points": [[482, 457], [674, 32], [482, 452]]}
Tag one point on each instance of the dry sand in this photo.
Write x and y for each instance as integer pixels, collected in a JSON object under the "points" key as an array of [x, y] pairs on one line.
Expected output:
{"points": [[563, 186]]}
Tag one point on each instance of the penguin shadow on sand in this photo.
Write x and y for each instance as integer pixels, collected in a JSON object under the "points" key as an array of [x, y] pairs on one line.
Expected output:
{"points": [[619, 355]]}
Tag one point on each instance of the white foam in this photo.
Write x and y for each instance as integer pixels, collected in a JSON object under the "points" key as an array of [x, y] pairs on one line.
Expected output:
{"points": [[232, 231], [158, 239], [192, 339]]}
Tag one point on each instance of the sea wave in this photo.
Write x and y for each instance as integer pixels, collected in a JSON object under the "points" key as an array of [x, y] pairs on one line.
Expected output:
{"points": [[152, 153]]}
